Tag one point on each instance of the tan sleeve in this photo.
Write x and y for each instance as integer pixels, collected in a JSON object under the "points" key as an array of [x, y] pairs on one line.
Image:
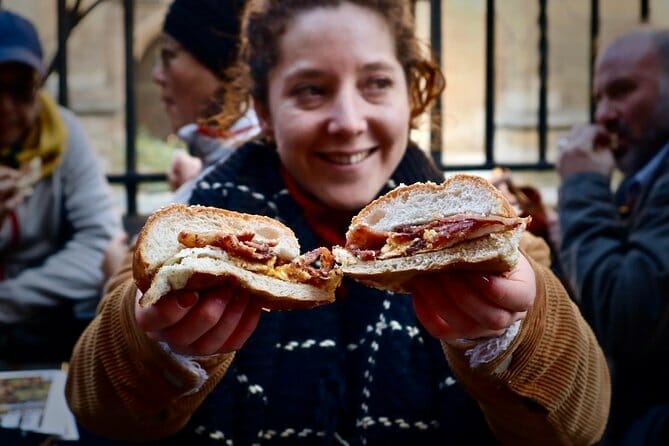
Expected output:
{"points": [[121, 384], [536, 248], [556, 388]]}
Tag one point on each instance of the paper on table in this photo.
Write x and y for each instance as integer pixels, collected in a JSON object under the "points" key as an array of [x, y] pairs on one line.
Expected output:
{"points": [[34, 400]]}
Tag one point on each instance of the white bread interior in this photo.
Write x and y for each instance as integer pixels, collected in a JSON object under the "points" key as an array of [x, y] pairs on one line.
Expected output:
{"points": [[158, 239], [162, 264], [421, 203], [202, 268]]}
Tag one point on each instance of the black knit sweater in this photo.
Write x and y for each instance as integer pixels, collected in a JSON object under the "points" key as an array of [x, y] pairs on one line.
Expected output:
{"points": [[359, 371]]}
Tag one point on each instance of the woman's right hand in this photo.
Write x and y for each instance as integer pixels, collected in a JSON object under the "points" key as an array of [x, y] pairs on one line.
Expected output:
{"points": [[219, 320]]}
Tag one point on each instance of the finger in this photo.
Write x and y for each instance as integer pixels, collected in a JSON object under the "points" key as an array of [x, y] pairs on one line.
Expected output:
{"points": [[435, 325], [245, 328], [516, 291], [581, 138], [493, 291], [487, 313], [9, 173], [199, 320], [166, 312], [8, 187], [438, 299], [212, 341]]}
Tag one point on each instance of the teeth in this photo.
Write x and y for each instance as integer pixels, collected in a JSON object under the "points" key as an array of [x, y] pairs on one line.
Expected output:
{"points": [[347, 159]]}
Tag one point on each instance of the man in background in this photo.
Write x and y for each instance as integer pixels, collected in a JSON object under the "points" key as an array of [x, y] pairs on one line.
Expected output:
{"points": [[615, 246], [56, 213]]}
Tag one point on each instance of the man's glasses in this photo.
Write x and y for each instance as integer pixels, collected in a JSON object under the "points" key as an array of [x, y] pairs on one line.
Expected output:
{"points": [[167, 55], [22, 91]]}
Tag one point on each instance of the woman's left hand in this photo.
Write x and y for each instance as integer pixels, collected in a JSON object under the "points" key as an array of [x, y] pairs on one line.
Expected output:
{"points": [[468, 304]]}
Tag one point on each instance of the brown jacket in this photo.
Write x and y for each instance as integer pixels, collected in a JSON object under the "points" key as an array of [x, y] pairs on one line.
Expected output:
{"points": [[551, 386]]}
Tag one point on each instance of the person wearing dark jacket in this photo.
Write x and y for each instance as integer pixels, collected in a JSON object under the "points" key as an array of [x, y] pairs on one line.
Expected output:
{"points": [[615, 246], [466, 359]]}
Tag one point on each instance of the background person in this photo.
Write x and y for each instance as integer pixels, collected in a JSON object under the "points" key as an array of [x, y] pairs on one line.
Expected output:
{"points": [[336, 86], [56, 213], [527, 201], [615, 246], [200, 40]]}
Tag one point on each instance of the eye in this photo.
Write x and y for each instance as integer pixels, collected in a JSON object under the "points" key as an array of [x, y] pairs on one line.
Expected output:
{"points": [[309, 94], [167, 55], [376, 87], [307, 90], [621, 88], [379, 83]]}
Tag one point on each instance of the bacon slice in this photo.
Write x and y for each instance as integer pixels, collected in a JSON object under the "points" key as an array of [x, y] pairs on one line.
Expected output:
{"points": [[314, 267], [443, 232], [237, 245]]}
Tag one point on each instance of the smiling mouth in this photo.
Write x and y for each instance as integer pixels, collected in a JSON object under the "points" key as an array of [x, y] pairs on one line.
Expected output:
{"points": [[346, 159]]}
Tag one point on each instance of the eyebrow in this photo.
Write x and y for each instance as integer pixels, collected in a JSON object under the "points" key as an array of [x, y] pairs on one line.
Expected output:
{"points": [[375, 66], [312, 73]]}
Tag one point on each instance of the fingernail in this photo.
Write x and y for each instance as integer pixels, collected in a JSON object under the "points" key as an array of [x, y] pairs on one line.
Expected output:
{"points": [[187, 300]]}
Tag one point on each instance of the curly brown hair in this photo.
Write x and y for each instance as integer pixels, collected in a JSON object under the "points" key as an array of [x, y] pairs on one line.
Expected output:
{"points": [[264, 21]]}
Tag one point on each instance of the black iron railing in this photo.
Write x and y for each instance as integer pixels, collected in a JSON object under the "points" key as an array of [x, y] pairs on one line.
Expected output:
{"points": [[131, 178]]}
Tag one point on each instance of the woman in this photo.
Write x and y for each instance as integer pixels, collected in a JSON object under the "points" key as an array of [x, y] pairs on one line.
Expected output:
{"points": [[336, 85], [200, 40]]}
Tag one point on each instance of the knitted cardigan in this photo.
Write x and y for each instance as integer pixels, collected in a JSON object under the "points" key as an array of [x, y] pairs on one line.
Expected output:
{"points": [[359, 371]]}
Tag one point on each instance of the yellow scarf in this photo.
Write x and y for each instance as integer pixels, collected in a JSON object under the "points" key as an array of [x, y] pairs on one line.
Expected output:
{"points": [[45, 144]]}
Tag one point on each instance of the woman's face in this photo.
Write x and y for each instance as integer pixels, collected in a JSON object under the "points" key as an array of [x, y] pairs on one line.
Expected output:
{"points": [[186, 85], [338, 105]]}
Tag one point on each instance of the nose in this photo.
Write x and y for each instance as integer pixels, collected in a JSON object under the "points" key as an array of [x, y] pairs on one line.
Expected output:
{"points": [[606, 112], [348, 115]]}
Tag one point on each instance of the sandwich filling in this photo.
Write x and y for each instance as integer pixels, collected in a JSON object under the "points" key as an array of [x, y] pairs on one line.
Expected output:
{"points": [[244, 250], [407, 239]]}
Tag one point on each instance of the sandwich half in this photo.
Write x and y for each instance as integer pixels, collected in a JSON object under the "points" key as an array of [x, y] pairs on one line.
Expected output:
{"points": [[464, 222], [199, 247]]}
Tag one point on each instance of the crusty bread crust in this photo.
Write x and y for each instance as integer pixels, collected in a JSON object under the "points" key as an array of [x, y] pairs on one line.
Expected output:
{"points": [[457, 194], [198, 269], [423, 202], [144, 267]]}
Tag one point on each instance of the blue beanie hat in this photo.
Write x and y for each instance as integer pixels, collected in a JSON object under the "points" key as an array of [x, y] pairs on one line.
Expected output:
{"points": [[19, 41], [207, 29]]}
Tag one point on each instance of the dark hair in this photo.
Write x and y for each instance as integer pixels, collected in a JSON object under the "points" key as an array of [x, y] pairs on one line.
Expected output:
{"points": [[264, 21], [207, 29]]}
